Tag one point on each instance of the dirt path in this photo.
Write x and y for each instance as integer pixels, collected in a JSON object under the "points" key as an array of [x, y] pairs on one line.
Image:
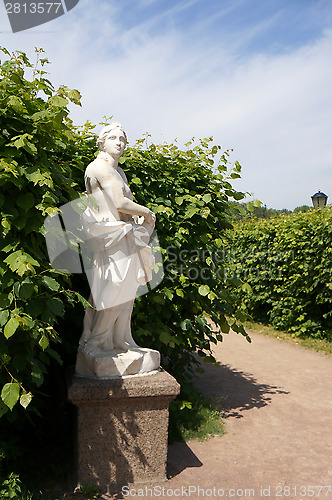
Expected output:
{"points": [[278, 402]]}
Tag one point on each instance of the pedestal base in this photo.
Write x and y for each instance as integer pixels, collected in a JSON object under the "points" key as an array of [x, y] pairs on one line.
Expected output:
{"points": [[122, 429]]}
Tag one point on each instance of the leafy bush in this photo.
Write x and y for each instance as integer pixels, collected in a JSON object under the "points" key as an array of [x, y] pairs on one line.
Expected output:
{"points": [[36, 143], [287, 262]]}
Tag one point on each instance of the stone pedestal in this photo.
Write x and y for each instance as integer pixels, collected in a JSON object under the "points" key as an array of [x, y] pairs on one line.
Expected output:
{"points": [[122, 429]]}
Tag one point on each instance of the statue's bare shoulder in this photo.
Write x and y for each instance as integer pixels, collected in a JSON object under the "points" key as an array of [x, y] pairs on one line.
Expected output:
{"points": [[98, 173]]}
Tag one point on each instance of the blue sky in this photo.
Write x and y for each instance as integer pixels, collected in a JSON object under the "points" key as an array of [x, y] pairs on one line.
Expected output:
{"points": [[254, 74]]}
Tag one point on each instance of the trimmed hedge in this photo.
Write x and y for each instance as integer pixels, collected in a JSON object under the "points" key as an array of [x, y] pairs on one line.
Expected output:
{"points": [[287, 263]]}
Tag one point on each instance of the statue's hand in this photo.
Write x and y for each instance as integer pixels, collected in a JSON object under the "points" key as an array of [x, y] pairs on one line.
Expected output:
{"points": [[150, 218]]}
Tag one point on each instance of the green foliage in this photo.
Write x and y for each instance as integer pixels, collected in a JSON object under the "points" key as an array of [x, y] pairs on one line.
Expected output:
{"points": [[194, 419], [36, 144], [11, 487], [287, 263], [319, 345], [88, 492], [302, 208], [255, 210]]}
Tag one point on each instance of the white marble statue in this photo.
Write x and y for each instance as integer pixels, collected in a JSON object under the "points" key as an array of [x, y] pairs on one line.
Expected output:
{"points": [[120, 259]]}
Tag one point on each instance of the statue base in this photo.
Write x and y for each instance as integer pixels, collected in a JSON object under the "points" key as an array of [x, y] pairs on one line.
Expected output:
{"points": [[103, 364], [122, 429]]}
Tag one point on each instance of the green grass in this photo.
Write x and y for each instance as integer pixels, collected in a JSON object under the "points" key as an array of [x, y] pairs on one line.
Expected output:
{"points": [[320, 345], [194, 419]]}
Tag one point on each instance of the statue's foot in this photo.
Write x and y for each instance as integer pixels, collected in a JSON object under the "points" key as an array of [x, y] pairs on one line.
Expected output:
{"points": [[95, 350], [121, 346], [118, 363], [125, 346], [131, 343]]}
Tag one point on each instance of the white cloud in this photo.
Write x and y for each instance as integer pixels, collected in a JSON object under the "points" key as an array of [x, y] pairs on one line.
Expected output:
{"points": [[275, 111]]}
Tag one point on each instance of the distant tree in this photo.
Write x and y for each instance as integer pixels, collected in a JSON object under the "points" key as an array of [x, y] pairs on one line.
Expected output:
{"points": [[302, 208], [255, 210]]}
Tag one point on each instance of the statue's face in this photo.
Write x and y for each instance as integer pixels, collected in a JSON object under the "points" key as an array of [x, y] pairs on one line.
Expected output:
{"points": [[115, 143]]}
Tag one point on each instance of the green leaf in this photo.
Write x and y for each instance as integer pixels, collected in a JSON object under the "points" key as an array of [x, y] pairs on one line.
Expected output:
{"points": [[25, 399], [11, 327], [246, 288], [186, 404], [21, 262], [19, 362], [35, 307], [16, 104], [207, 198], [224, 326], [185, 325], [237, 195], [26, 201], [205, 212], [56, 306], [44, 342], [9, 248], [26, 289], [179, 200], [158, 299], [165, 337], [4, 317], [37, 372], [83, 300], [204, 290], [169, 294], [30, 148], [58, 101], [51, 283], [5, 300], [241, 316], [3, 408], [10, 394], [55, 356], [190, 212], [19, 142], [75, 96]]}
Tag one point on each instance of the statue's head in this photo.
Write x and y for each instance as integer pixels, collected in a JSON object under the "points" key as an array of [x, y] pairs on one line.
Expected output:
{"points": [[109, 131]]}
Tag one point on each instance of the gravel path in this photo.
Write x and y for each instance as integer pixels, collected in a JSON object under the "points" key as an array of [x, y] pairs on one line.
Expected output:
{"points": [[277, 398]]}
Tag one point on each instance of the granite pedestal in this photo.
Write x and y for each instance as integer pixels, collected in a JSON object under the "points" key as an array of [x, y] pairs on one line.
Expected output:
{"points": [[122, 429]]}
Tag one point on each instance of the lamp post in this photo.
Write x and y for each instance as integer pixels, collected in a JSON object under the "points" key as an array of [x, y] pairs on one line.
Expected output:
{"points": [[319, 200]]}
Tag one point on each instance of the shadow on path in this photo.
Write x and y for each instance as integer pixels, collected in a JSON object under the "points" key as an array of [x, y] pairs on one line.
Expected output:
{"points": [[180, 457], [234, 391]]}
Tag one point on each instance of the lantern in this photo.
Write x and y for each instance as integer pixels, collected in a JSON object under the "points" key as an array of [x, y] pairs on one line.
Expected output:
{"points": [[319, 200]]}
